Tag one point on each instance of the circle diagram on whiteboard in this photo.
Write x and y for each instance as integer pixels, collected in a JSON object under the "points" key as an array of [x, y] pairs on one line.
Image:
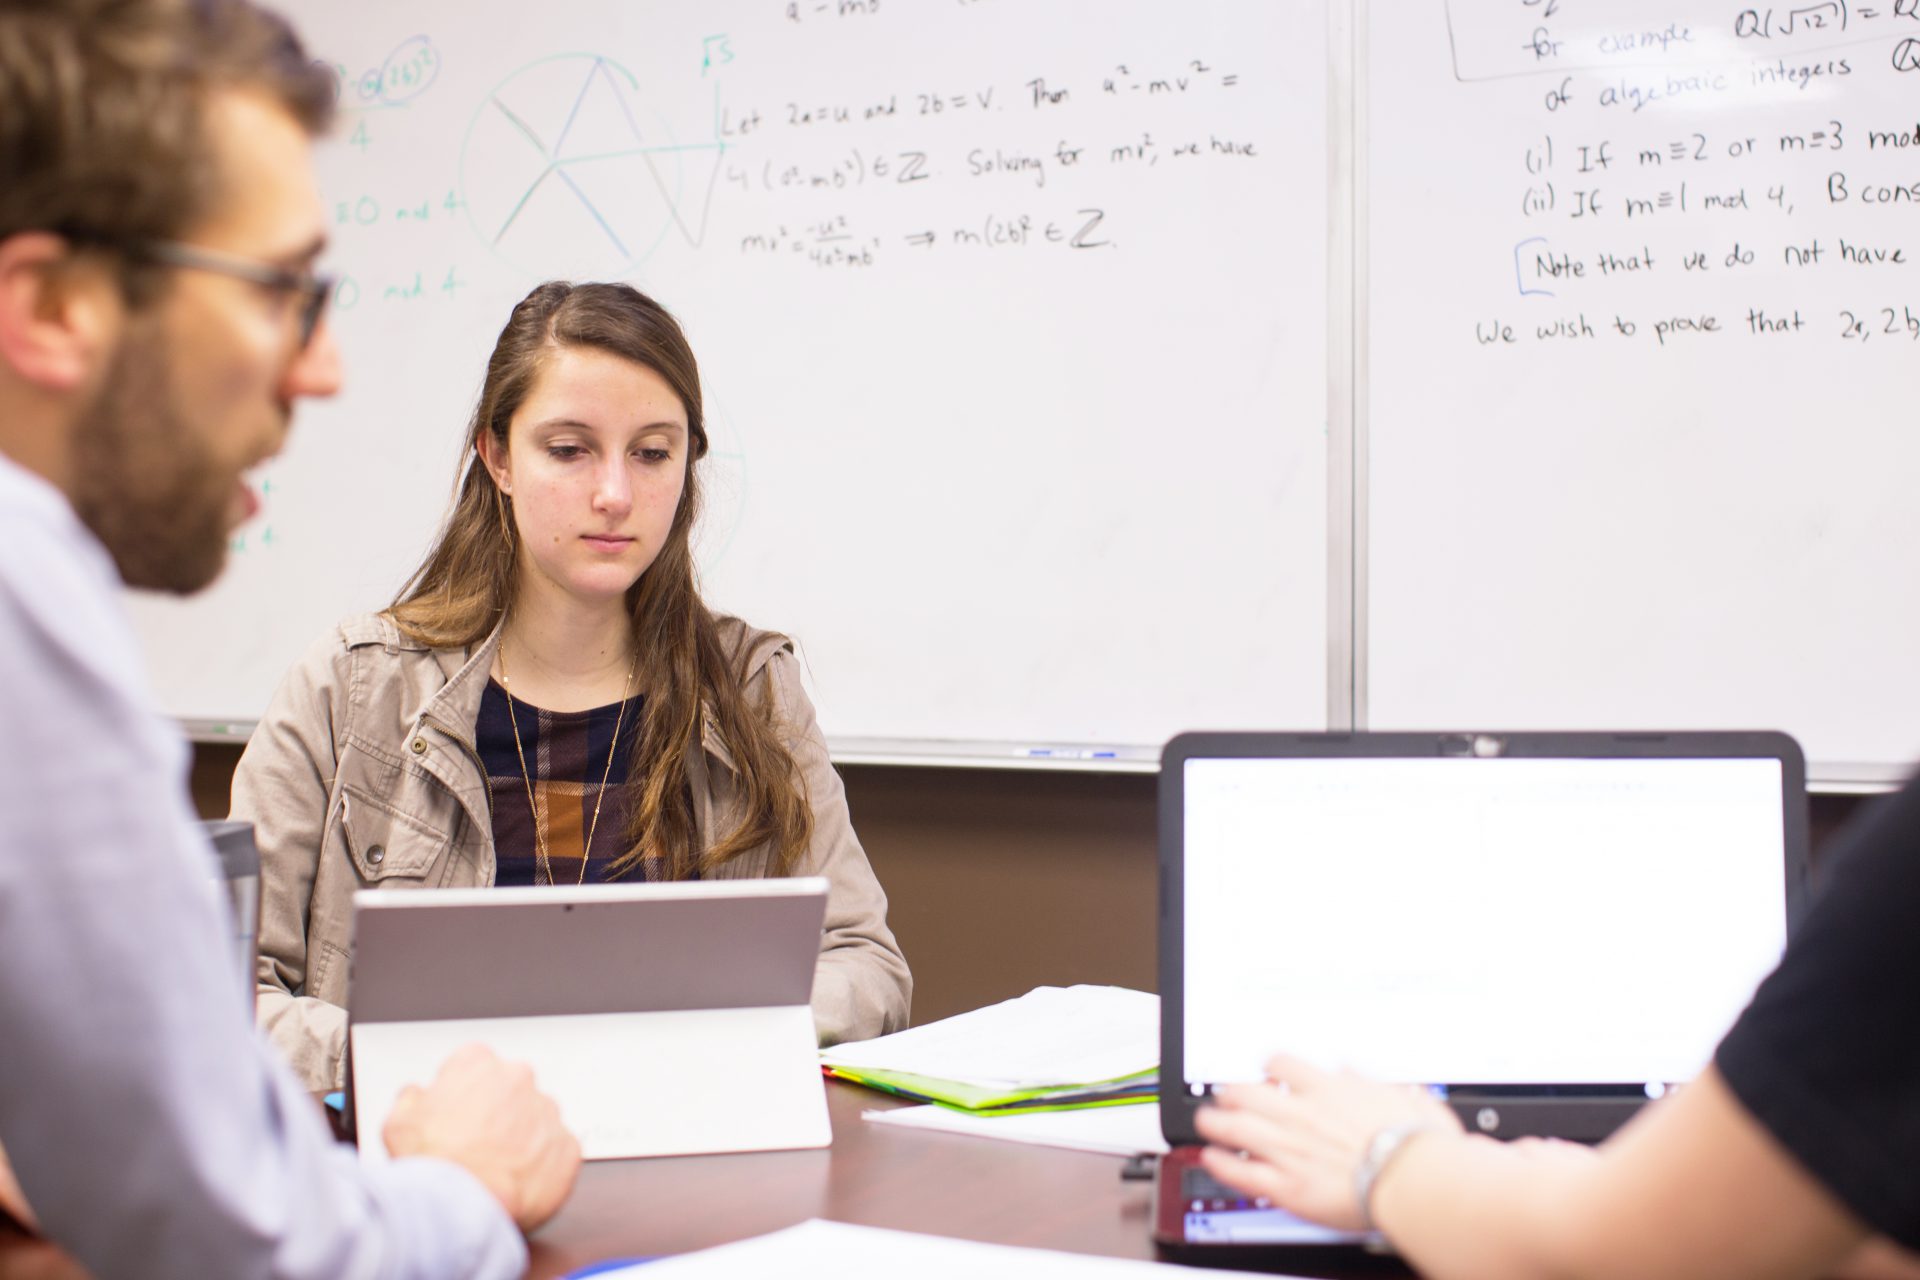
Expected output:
{"points": [[567, 174]]}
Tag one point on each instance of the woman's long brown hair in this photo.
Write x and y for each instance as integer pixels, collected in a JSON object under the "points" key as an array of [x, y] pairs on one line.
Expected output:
{"points": [[466, 583]]}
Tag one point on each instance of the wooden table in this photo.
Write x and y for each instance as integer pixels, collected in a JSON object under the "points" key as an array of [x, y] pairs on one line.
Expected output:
{"points": [[872, 1175], [937, 1183], [943, 1184]]}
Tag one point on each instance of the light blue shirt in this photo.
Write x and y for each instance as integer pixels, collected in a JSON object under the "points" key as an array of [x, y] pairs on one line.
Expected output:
{"points": [[154, 1134]]}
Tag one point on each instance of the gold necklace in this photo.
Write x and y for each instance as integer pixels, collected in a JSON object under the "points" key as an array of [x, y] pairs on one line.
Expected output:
{"points": [[543, 863]]}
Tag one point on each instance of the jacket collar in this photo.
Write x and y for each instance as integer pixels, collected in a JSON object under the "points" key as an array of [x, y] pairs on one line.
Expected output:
{"points": [[456, 706]]}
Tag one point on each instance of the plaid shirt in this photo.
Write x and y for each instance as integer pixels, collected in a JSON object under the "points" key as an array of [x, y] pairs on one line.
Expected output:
{"points": [[566, 758]]}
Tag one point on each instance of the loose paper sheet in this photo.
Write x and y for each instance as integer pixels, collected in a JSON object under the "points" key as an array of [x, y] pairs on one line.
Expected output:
{"points": [[819, 1250]]}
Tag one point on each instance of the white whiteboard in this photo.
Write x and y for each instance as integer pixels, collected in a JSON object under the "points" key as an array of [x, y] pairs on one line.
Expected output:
{"points": [[1011, 315], [1647, 529]]}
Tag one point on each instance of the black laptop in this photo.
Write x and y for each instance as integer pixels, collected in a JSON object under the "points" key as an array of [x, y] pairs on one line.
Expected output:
{"points": [[1548, 929]]}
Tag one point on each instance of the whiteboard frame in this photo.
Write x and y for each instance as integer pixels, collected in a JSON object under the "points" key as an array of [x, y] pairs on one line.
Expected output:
{"points": [[1346, 371]]}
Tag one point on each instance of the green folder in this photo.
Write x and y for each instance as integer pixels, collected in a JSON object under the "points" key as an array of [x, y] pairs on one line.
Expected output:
{"points": [[1142, 1086]]}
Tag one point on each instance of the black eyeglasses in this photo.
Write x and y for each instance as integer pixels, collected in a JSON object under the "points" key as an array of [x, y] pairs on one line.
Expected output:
{"points": [[310, 290]]}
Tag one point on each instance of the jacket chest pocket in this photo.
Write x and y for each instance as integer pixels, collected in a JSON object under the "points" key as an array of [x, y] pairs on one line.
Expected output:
{"points": [[386, 845]]}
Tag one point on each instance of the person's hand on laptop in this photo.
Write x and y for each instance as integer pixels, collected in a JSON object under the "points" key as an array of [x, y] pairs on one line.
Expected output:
{"points": [[1300, 1139], [486, 1116]]}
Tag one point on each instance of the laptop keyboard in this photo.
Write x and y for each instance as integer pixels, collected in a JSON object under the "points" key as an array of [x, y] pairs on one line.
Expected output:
{"points": [[1204, 1192]]}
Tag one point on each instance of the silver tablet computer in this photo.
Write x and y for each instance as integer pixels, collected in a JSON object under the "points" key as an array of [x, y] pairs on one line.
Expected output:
{"points": [[663, 1018]]}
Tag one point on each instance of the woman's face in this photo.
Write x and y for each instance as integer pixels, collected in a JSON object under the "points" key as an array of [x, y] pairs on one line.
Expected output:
{"points": [[595, 465]]}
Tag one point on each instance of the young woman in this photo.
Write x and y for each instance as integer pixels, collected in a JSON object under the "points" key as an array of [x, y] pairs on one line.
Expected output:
{"points": [[548, 701], [1796, 1154]]}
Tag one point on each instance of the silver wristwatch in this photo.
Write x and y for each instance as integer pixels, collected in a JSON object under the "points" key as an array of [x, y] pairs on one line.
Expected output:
{"points": [[1381, 1149]]}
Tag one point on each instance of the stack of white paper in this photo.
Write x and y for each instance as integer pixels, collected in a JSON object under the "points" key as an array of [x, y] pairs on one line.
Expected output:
{"points": [[1050, 1036]]}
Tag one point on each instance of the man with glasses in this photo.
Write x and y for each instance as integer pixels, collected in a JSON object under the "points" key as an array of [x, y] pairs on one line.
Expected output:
{"points": [[159, 318]]}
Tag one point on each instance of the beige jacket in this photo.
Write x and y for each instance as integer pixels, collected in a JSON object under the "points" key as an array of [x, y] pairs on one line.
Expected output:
{"points": [[363, 774]]}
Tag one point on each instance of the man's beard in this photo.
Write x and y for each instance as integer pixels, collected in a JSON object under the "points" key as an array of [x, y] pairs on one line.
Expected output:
{"points": [[150, 490]]}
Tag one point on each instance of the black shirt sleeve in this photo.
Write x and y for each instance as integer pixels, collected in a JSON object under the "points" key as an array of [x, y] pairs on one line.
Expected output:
{"points": [[1827, 1056]]}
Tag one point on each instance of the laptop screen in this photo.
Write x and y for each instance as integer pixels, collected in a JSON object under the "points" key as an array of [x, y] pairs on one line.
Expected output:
{"points": [[1462, 921]]}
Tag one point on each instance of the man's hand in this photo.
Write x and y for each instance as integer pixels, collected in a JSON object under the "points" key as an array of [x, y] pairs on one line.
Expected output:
{"points": [[485, 1115]]}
